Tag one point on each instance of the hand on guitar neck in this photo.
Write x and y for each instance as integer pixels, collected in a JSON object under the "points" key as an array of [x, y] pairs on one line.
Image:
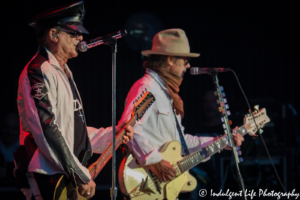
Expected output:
{"points": [[86, 190], [237, 139], [164, 170], [129, 131]]}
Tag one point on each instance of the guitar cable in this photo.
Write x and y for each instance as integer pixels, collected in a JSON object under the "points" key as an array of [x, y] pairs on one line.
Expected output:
{"points": [[267, 151]]}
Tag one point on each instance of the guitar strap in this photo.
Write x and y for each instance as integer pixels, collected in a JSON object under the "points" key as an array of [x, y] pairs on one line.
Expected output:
{"points": [[185, 150]]}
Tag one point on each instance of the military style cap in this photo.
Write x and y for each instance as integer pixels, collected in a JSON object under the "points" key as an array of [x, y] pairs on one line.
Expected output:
{"points": [[69, 17]]}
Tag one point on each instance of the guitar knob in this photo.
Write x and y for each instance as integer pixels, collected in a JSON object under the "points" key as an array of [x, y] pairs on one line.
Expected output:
{"points": [[239, 153], [228, 113], [241, 159], [223, 94], [221, 88], [225, 100], [238, 148], [190, 183]]}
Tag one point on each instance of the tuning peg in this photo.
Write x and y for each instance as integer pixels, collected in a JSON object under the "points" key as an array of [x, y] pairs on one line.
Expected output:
{"points": [[226, 106], [225, 100], [261, 131], [256, 107], [222, 119], [248, 115], [228, 113]]}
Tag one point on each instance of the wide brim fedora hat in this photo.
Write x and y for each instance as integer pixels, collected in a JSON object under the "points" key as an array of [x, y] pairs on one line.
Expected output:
{"points": [[171, 42], [69, 17]]}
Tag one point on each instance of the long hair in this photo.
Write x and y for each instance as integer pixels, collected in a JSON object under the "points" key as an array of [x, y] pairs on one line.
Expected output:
{"points": [[155, 61]]}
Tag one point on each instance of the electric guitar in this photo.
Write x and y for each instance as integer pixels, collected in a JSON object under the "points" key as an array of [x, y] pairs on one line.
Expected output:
{"points": [[139, 182], [64, 189]]}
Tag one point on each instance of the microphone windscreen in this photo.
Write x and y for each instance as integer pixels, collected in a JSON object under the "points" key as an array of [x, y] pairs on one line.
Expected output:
{"points": [[194, 70], [82, 46]]}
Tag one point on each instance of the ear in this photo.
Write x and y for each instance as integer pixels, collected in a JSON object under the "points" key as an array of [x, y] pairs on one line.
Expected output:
{"points": [[170, 60], [52, 35]]}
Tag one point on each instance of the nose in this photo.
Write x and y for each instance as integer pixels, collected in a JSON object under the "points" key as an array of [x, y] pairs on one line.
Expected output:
{"points": [[188, 66], [80, 37]]}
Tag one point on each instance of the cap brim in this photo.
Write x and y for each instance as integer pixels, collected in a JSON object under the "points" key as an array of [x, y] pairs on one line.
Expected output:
{"points": [[150, 52], [78, 28]]}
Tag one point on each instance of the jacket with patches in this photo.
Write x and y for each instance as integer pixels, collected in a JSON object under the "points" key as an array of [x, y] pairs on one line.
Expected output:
{"points": [[46, 110]]}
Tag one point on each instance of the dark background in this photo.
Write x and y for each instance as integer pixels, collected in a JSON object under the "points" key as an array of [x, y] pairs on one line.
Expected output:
{"points": [[258, 40]]}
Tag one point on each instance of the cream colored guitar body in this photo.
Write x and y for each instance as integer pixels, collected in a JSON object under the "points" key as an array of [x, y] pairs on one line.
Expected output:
{"points": [[140, 183]]}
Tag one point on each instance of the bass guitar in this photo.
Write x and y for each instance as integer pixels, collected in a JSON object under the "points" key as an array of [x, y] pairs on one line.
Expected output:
{"points": [[139, 182], [64, 189]]}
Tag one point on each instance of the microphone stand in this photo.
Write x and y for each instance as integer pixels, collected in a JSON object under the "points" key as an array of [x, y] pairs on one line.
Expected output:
{"points": [[113, 45], [229, 134]]}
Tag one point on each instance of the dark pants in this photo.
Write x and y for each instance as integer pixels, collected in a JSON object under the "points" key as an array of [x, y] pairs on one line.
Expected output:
{"points": [[46, 184]]}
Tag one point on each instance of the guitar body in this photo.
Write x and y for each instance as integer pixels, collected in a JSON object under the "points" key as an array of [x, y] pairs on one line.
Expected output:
{"points": [[139, 183], [64, 190]]}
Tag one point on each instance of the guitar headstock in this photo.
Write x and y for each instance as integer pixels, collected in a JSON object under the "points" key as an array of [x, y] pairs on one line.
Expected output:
{"points": [[141, 104], [261, 119]]}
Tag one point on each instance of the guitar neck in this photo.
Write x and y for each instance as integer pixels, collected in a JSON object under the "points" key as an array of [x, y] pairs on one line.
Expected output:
{"points": [[194, 159], [97, 166]]}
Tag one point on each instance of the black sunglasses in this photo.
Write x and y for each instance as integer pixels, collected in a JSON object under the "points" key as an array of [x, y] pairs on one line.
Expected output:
{"points": [[186, 59], [73, 33]]}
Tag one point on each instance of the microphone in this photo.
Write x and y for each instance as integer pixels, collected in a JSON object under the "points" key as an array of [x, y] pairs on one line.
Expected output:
{"points": [[83, 47], [197, 70]]}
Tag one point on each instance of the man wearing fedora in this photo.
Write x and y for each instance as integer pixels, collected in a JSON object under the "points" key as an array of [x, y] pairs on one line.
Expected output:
{"points": [[165, 65], [53, 127]]}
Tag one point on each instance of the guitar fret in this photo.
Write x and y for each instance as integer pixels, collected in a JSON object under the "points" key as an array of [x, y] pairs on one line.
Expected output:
{"points": [[193, 159]]}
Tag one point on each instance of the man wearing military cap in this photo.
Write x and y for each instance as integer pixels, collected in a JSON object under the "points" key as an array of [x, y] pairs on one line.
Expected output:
{"points": [[166, 63], [53, 126]]}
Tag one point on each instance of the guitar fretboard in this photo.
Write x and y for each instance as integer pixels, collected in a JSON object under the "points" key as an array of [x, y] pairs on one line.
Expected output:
{"points": [[96, 167], [194, 159]]}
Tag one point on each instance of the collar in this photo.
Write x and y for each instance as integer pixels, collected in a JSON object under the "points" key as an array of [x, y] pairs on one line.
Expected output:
{"points": [[51, 58], [157, 78]]}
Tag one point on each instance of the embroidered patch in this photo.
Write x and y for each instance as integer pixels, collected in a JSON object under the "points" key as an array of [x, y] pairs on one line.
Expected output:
{"points": [[39, 90]]}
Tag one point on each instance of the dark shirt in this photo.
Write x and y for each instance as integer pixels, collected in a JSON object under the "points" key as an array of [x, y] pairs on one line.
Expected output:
{"points": [[80, 131]]}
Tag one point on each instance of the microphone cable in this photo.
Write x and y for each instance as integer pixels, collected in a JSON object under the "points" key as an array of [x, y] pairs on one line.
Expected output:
{"points": [[258, 129]]}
